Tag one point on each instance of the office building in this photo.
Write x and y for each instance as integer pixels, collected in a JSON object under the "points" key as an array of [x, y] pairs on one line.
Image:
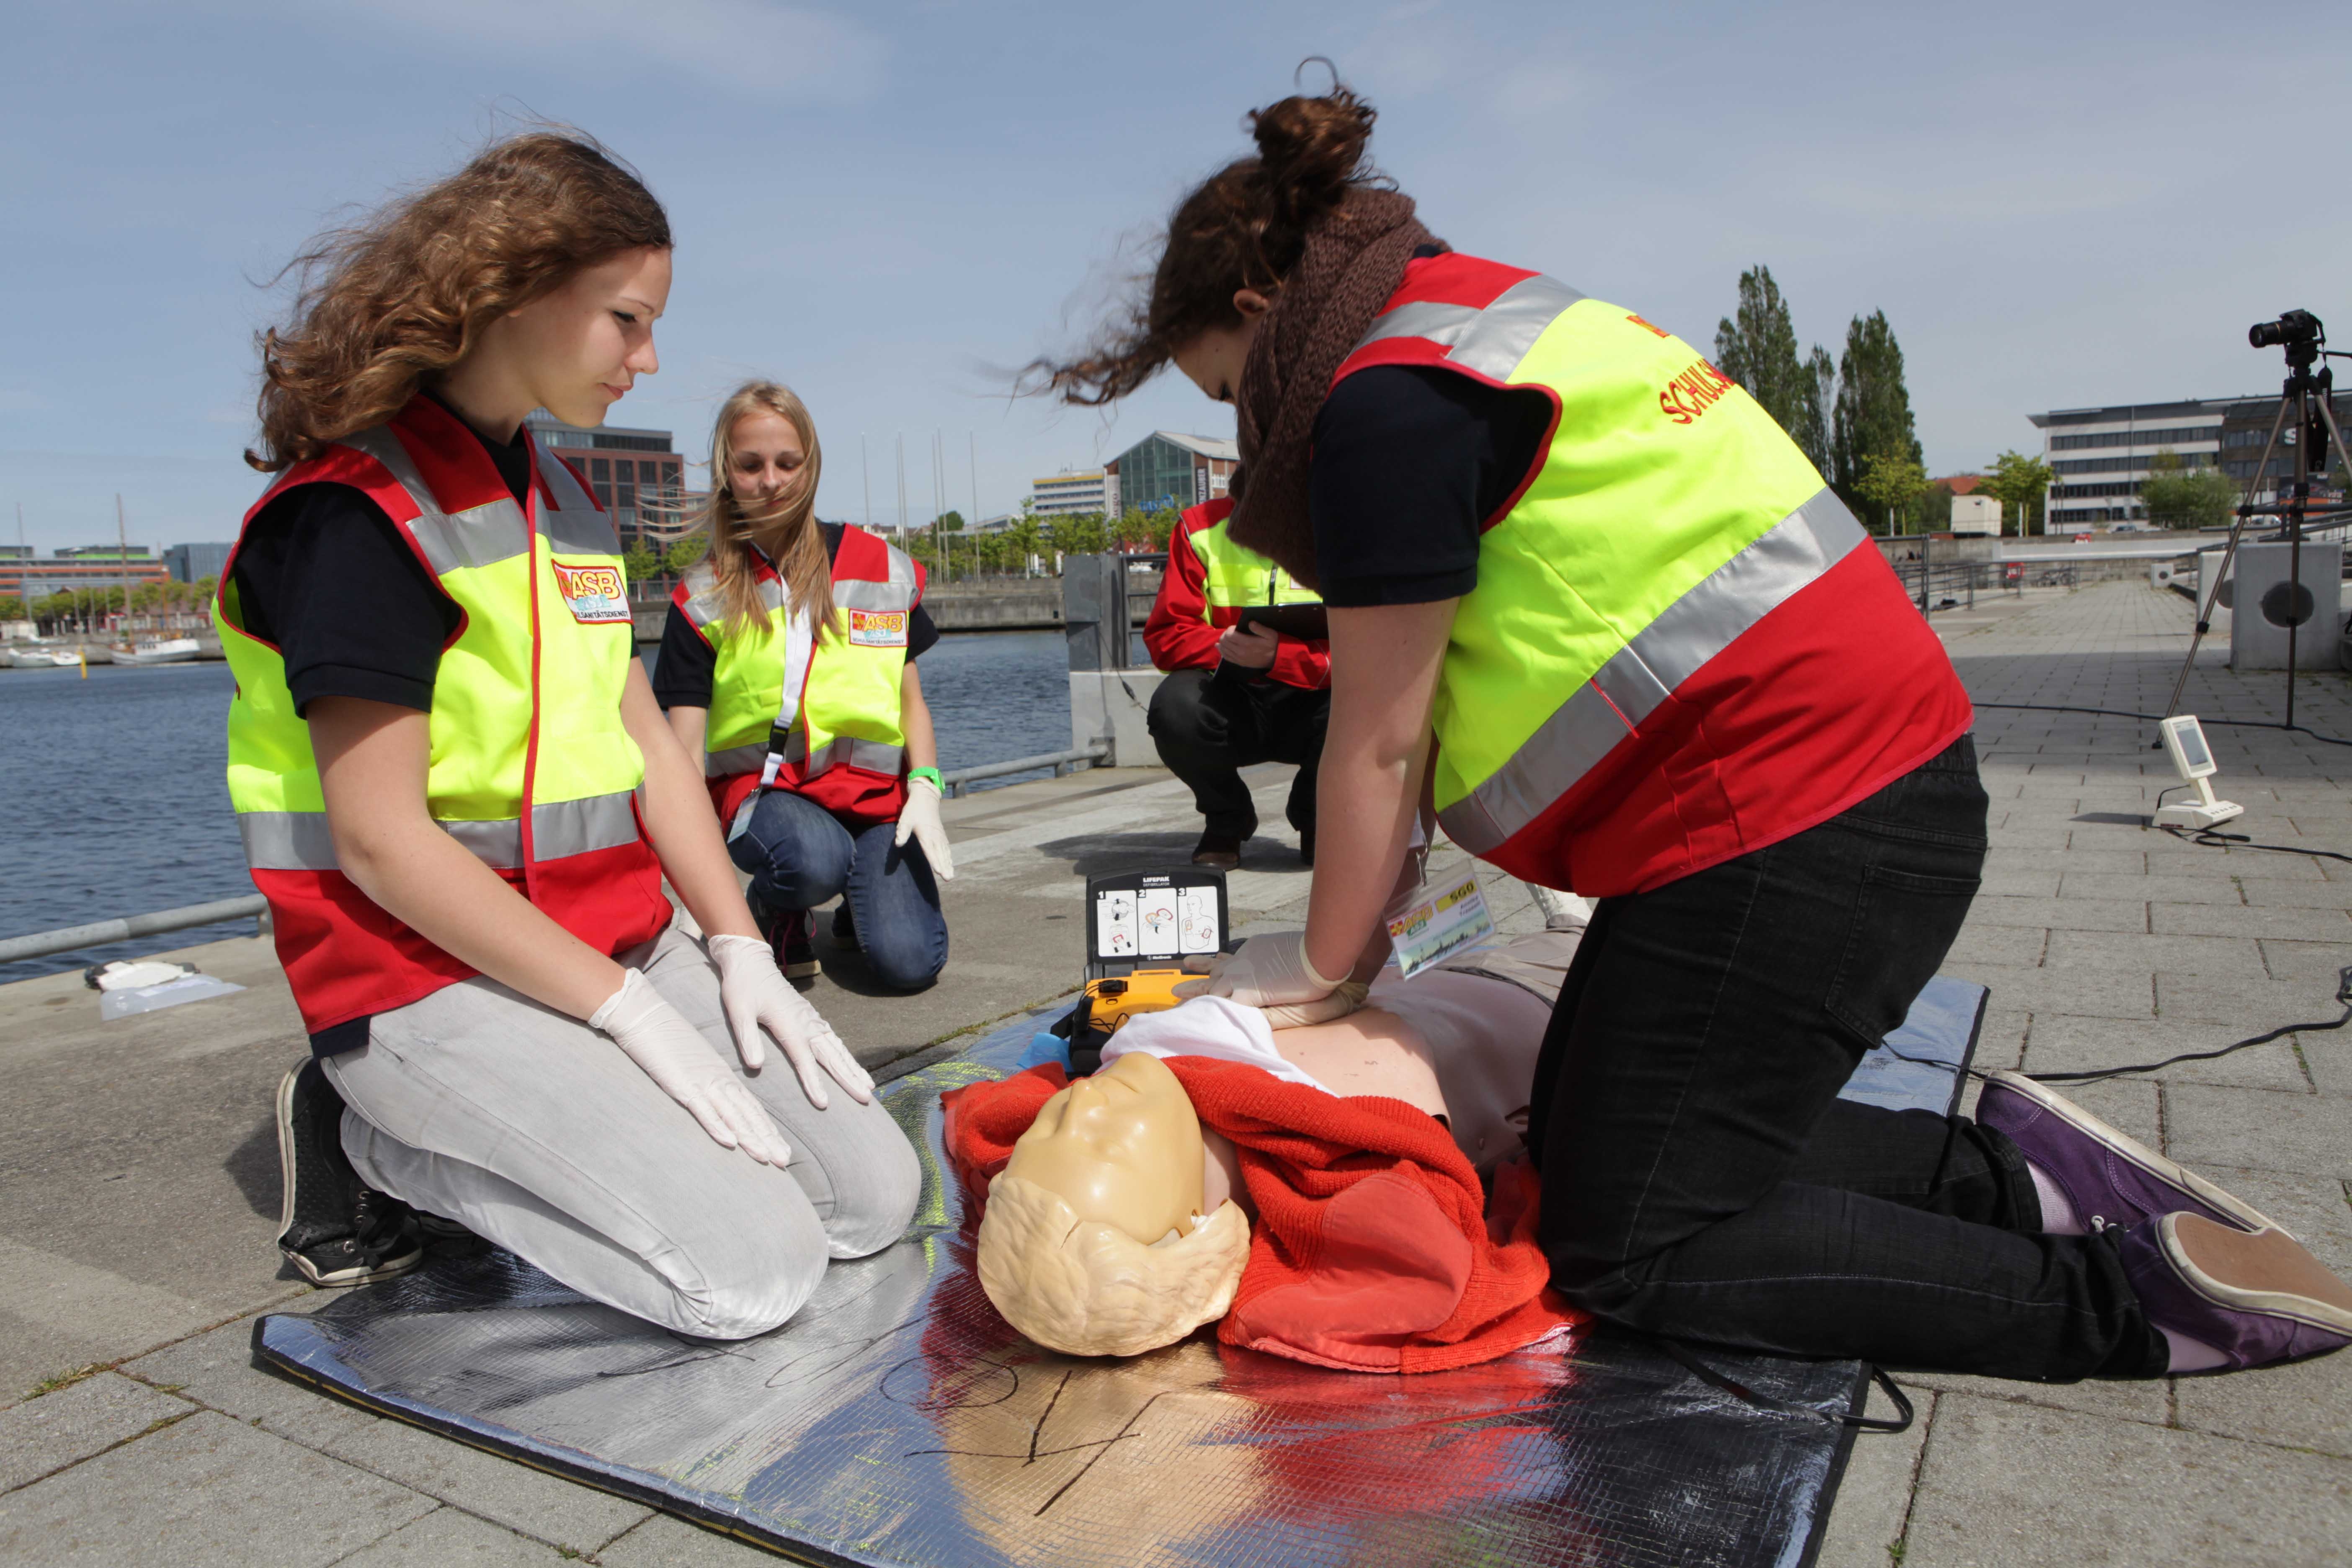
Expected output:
{"points": [[102, 552], [1169, 469], [637, 475], [74, 570], [2103, 456], [1071, 490], [195, 563]]}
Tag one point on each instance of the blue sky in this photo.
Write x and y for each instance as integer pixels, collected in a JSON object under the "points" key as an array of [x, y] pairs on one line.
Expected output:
{"points": [[886, 205]]}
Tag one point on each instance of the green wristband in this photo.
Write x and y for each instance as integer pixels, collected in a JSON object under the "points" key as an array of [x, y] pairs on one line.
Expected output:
{"points": [[937, 783]]}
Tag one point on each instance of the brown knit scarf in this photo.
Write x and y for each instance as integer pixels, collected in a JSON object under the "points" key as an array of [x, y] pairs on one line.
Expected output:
{"points": [[1353, 261]]}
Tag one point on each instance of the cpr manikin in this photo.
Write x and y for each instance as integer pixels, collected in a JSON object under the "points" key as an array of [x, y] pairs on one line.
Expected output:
{"points": [[1119, 1224], [1095, 1242]]}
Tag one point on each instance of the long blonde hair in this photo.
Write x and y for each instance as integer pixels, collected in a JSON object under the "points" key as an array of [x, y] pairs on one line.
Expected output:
{"points": [[787, 535], [406, 293]]}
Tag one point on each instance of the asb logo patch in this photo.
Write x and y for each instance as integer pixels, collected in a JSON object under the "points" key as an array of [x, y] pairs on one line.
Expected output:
{"points": [[877, 628], [596, 594], [1693, 392]]}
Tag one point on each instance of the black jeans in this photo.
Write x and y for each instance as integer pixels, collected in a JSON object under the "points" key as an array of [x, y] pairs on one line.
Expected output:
{"points": [[1211, 725], [1701, 1178]]}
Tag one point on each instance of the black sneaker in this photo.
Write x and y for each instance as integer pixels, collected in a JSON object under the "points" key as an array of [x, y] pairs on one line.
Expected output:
{"points": [[845, 927], [1218, 850], [787, 935], [795, 947], [333, 1229]]}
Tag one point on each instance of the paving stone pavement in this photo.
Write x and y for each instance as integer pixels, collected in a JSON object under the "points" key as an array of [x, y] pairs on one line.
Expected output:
{"points": [[2104, 942], [139, 1245]]}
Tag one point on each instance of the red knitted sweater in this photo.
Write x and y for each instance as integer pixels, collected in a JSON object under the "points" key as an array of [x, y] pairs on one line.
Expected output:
{"points": [[1375, 1248]]}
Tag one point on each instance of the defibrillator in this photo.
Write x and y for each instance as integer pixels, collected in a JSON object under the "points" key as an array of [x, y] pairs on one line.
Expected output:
{"points": [[1141, 928]]}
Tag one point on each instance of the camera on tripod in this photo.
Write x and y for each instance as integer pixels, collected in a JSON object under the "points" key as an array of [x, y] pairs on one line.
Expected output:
{"points": [[2292, 327]]}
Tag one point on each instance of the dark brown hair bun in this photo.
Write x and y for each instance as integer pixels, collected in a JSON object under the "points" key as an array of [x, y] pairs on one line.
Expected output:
{"points": [[1244, 227], [1312, 150]]}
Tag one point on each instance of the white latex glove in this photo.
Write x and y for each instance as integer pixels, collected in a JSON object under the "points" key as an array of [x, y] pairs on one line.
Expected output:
{"points": [[1345, 998], [673, 1054], [1263, 972], [920, 819], [755, 993]]}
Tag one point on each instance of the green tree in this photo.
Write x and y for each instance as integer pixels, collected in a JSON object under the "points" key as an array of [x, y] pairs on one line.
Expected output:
{"points": [[1081, 533], [1026, 537], [640, 561], [2178, 496], [1757, 347], [681, 557], [2019, 483], [1892, 479], [1872, 415], [12, 609], [951, 522], [1811, 431]]}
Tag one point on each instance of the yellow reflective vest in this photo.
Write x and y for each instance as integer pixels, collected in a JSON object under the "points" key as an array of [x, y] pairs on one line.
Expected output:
{"points": [[815, 715], [1680, 648], [528, 765]]}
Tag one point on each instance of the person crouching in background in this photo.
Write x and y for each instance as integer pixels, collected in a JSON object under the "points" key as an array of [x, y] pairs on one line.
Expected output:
{"points": [[788, 667], [1235, 695]]}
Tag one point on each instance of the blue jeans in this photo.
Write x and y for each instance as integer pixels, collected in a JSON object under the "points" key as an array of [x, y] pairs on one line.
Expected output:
{"points": [[800, 856]]}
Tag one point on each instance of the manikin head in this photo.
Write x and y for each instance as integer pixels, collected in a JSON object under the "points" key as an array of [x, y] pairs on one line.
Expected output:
{"points": [[1093, 1243]]}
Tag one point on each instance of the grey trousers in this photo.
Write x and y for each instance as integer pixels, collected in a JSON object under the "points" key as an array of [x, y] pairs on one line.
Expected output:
{"points": [[534, 1130]]}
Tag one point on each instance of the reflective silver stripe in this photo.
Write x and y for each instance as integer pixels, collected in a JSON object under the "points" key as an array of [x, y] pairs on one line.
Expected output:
{"points": [[1706, 620], [1491, 340], [573, 525], [734, 760], [576, 826], [873, 756], [302, 841], [495, 841], [286, 840], [861, 594], [478, 536]]}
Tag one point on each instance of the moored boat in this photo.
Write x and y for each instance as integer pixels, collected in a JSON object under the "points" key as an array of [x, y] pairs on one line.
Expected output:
{"points": [[154, 650]]}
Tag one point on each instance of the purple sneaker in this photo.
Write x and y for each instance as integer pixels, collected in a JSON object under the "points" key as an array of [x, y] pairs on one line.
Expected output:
{"points": [[2111, 1178], [2257, 1299]]}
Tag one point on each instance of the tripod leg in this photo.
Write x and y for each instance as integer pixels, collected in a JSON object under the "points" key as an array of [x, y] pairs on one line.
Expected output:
{"points": [[2229, 553]]}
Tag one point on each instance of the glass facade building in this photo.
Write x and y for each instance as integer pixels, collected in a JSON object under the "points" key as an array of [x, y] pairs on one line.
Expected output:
{"points": [[1169, 469]]}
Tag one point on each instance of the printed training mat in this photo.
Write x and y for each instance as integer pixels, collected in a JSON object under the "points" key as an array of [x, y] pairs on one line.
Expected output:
{"points": [[898, 1420]]}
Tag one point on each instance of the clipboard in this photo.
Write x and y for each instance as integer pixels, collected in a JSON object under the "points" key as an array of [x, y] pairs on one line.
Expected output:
{"points": [[1308, 623]]}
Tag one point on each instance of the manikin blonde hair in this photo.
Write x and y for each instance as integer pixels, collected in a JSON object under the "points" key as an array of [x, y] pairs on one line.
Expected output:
{"points": [[1084, 1287], [787, 535]]}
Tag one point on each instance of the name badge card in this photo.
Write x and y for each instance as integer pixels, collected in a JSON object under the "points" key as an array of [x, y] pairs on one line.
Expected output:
{"points": [[1438, 923]]}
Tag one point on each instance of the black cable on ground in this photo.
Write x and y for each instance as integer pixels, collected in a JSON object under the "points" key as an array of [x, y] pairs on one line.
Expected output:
{"points": [[2211, 838], [2159, 719]]}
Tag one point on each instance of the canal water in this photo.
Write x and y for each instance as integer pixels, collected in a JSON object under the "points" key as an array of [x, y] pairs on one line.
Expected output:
{"points": [[115, 802]]}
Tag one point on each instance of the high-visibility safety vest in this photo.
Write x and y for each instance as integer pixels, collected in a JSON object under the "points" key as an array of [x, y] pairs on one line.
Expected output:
{"points": [[815, 715], [1681, 646], [530, 766], [1233, 578]]}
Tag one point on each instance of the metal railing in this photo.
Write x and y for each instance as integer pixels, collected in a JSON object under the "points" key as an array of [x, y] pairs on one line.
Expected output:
{"points": [[1062, 762], [97, 933]]}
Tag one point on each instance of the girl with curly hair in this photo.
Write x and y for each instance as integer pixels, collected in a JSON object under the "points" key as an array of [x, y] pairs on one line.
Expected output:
{"points": [[458, 793]]}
